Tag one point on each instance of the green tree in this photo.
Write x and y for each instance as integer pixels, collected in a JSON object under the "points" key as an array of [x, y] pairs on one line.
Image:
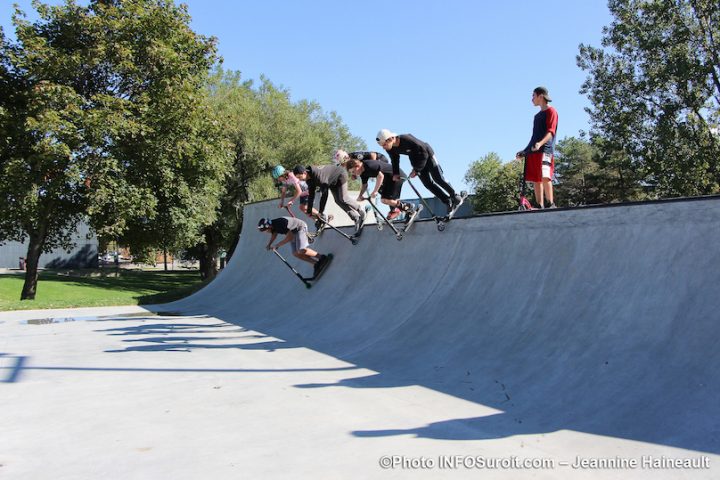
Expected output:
{"points": [[655, 94], [587, 176], [494, 183], [103, 117], [263, 128]]}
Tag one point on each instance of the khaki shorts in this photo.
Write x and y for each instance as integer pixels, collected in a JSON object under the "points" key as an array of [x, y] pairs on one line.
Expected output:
{"points": [[301, 240]]}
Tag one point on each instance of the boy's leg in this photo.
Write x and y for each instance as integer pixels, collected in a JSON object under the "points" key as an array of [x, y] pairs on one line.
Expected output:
{"points": [[437, 175], [539, 197], [390, 192], [548, 167], [300, 247], [349, 205], [307, 254], [533, 173], [432, 175], [346, 202], [304, 206], [427, 180], [548, 187]]}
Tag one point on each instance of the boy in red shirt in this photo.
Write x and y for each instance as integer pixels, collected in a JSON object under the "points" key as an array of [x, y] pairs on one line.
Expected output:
{"points": [[540, 151]]}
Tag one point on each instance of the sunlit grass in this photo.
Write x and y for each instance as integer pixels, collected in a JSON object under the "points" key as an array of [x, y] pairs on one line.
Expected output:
{"points": [[98, 289]]}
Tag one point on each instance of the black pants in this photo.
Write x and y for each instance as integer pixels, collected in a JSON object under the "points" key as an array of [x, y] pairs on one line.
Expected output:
{"points": [[432, 177]]}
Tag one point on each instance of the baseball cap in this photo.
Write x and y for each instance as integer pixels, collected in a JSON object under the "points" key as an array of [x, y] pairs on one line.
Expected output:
{"points": [[544, 92], [299, 169], [383, 135]]}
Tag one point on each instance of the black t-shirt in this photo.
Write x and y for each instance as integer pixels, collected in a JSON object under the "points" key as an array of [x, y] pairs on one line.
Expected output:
{"points": [[420, 153], [284, 225], [373, 167]]}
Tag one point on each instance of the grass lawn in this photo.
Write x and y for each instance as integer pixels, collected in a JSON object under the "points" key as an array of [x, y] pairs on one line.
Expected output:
{"points": [[98, 289]]}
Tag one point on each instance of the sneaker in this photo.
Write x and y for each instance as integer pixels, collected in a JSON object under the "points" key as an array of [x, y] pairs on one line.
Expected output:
{"points": [[407, 207], [326, 218], [318, 265], [394, 213], [360, 222], [552, 205], [455, 200], [449, 206]]}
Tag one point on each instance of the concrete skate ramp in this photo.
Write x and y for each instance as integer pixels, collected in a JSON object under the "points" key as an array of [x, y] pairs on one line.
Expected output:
{"points": [[597, 320]]}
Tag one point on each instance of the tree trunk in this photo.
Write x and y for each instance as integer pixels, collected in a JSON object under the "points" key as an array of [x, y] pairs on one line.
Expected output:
{"points": [[208, 262], [31, 267], [208, 255], [235, 242]]}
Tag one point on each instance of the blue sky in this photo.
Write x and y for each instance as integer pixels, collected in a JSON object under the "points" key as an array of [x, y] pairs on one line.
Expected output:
{"points": [[457, 74]]}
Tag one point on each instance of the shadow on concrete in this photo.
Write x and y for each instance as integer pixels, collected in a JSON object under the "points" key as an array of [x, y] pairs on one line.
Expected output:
{"points": [[611, 330], [18, 368], [175, 337], [15, 368]]}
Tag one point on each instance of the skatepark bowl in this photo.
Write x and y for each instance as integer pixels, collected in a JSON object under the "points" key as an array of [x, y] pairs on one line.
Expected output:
{"points": [[568, 343]]}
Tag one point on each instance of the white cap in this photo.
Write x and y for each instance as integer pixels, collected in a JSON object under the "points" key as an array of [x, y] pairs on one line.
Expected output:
{"points": [[383, 135]]}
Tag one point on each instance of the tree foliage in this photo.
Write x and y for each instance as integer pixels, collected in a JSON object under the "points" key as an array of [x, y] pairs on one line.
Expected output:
{"points": [[589, 177], [655, 94], [103, 114], [263, 128], [494, 183]]}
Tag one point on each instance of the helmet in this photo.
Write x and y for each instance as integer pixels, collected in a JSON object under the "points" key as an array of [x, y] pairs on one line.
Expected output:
{"points": [[264, 224], [340, 157], [277, 171]]}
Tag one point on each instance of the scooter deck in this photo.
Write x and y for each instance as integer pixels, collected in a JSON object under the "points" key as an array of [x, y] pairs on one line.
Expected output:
{"points": [[409, 222], [322, 270], [449, 216]]}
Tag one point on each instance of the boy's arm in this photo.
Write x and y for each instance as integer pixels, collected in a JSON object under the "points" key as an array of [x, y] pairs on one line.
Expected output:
{"points": [[298, 191], [323, 198], [311, 197], [395, 161], [542, 142], [363, 188], [551, 124], [288, 238], [272, 239], [378, 183]]}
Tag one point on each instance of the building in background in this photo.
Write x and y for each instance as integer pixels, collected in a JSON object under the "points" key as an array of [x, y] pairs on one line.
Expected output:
{"points": [[83, 255]]}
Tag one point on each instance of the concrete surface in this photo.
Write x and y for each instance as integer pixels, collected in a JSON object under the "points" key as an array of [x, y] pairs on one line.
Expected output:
{"points": [[584, 337]]}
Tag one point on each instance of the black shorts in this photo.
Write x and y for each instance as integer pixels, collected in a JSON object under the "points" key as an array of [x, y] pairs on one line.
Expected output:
{"points": [[389, 189]]}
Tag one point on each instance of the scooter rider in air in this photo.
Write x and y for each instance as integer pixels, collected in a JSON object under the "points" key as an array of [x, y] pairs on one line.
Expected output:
{"points": [[331, 178], [422, 159]]}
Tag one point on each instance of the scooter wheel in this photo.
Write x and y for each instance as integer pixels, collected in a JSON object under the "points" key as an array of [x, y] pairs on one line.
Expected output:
{"points": [[441, 226], [354, 241], [399, 236], [380, 227], [311, 240], [307, 285]]}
